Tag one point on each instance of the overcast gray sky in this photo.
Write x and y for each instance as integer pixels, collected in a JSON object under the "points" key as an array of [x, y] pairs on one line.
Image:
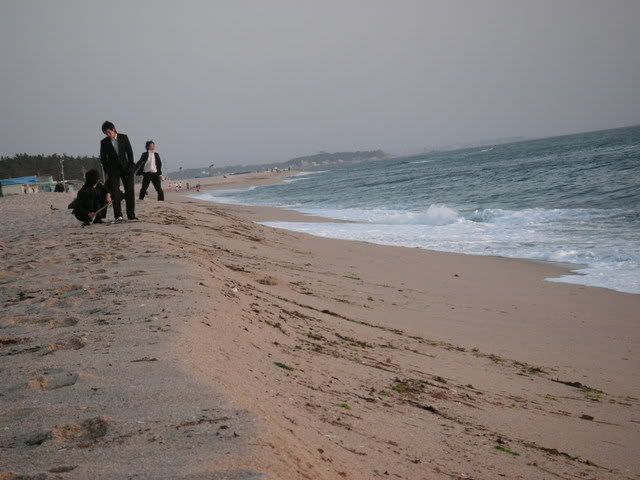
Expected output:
{"points": [[251, 82]]}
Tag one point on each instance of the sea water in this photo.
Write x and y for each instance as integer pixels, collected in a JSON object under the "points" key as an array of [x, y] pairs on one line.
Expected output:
{"points": [[572, 199]]}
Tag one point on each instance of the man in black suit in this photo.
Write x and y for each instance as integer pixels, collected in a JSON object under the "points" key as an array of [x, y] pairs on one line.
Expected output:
{"points": [[150, 166], [116, 156]]}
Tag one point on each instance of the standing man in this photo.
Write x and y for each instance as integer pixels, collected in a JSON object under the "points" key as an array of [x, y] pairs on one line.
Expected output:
{"points": [[116, 156], [150, 166]]}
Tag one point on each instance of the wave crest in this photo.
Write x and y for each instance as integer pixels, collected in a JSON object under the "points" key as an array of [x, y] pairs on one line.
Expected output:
{"points": [[434, 215]]}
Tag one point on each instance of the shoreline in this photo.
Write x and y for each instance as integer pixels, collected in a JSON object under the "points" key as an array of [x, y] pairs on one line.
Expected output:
{"points": [[265, 213], [326, 358]]}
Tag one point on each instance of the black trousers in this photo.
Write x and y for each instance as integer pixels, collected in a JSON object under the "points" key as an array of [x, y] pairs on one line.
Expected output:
{"points": [[151, 178], [113, 186]]}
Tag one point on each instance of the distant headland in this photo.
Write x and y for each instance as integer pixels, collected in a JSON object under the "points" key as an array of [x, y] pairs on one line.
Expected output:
{"points": [[298, 163]]}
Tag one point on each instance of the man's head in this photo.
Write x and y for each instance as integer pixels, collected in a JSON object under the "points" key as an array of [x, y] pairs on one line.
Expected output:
{"points": [[109, 129], [92, 177], [150, 146]]}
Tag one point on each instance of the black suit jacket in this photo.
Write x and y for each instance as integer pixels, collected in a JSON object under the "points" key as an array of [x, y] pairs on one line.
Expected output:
{"points": [[123, 160], [89, 199], [143, 160]]}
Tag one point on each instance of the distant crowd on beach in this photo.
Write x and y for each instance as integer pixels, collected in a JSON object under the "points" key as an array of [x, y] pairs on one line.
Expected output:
{"points": [[30, 189], [177, 186]]}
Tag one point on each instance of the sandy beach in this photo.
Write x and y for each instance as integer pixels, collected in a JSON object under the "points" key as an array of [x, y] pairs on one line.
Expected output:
{"points": [[197, 344]]}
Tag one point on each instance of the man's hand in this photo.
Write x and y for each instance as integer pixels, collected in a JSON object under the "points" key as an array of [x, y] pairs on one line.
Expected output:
{"points": [[91, 214], [108, 198]]}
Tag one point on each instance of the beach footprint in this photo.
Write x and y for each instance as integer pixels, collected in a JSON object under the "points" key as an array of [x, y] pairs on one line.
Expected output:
{"points": [[53, 378], [85, 433], [71, 343], [62, 322]]}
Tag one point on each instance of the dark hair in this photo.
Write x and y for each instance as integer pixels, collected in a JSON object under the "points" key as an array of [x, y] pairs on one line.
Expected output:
{"points": [[108, 126], [150, 142], [92, 177]]}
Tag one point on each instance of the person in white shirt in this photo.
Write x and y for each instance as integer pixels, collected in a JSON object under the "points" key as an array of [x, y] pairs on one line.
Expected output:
{"points": [[150, 167]]}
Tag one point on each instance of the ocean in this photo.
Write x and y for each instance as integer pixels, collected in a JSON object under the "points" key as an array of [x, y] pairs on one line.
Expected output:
{"points": [[573, 199]]}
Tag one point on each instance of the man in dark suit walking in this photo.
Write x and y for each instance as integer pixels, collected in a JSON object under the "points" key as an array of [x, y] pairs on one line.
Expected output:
{"points": [[116, 156]]}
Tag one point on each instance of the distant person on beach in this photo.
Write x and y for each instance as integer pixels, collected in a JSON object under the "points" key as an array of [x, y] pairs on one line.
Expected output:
{"points": [[150, 167], [92, 200], [116, 156], [59, 187]]}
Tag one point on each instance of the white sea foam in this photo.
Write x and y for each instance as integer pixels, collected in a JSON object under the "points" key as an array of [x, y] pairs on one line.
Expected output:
{"points": [[306, 174], [557, 235], [434, 215], [516, 234], [223, 195], [622, 276], [296, 178], [417, 162]]}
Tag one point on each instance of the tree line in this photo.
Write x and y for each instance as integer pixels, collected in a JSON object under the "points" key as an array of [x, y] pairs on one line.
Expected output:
{"points": [[24, 165]]}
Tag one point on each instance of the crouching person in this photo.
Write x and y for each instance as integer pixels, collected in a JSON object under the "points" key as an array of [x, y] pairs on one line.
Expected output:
{"points": [[90, 204]]}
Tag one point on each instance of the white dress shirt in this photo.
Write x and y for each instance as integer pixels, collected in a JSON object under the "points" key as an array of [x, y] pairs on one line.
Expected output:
{"points": [[150, 164]]}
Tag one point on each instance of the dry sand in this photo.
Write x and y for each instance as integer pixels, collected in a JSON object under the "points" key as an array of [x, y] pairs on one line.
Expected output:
{"points": [[197, 344]]}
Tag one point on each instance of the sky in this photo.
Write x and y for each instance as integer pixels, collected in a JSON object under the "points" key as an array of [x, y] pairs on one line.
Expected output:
{"points": [[230, 82]]}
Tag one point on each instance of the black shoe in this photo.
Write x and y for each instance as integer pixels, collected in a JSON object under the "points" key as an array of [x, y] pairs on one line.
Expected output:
{"points": [[133, 218]]}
